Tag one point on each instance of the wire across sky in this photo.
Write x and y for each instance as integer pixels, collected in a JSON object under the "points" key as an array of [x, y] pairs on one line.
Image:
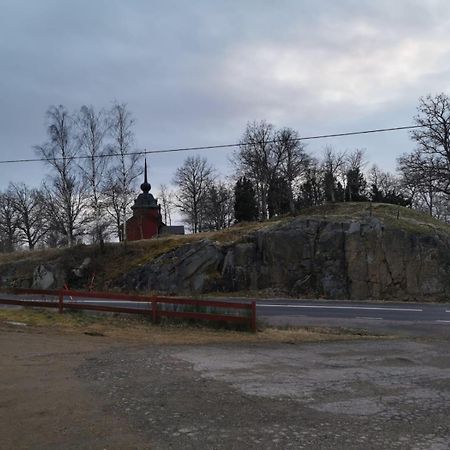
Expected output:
{"points": [[212, 147]]}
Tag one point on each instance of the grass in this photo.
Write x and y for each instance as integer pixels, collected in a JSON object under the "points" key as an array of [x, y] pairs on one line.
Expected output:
{"points": [[392, 215], [139, 329]]}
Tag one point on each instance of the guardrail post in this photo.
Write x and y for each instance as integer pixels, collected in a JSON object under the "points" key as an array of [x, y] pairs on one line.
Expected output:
{"points": [[154, 312], [253, 323], [61, 302]]}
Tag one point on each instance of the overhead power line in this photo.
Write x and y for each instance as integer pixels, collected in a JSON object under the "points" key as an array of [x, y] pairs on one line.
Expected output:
{"points": [[213, 147]]}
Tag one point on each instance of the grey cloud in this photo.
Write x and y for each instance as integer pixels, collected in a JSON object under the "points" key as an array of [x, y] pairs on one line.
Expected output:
{"points": [[191, 72]]}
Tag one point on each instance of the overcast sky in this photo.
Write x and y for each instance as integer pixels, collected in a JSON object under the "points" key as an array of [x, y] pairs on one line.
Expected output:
{"points": [[195, 72]]}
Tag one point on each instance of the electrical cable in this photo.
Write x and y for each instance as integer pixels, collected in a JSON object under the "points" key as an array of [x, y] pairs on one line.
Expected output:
{"points": [[211, 147]]}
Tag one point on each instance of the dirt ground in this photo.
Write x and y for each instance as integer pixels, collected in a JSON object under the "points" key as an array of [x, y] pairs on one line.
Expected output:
{"points": [[76, 391], [44, 405]]}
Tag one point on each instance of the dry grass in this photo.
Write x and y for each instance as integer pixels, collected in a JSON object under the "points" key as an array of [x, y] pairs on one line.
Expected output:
{"points": [[141, 330], [395, 216]]}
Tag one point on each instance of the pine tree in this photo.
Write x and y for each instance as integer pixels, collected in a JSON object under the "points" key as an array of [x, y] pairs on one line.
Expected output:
{"points": [[356, 186], [245, 205], [278, 199]]}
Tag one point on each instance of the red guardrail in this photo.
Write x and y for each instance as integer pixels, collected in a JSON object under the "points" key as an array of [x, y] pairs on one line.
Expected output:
{"points": [[155, 305]]}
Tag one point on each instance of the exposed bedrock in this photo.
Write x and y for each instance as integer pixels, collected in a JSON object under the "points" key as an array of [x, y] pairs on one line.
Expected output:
{"points": [[308, 257]]}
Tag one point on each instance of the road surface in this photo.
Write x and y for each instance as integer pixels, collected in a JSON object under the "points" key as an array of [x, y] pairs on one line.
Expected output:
{"points": [[357, 310], [420, 318]]}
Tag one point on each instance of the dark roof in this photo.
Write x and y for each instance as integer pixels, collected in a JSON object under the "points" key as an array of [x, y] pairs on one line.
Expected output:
{"points": [[172, 229], [145, 200]]}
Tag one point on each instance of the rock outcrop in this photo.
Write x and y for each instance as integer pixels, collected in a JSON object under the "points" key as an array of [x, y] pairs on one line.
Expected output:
{"points": [[355, 259], [43, 273], [190, 268], [348, 251]]}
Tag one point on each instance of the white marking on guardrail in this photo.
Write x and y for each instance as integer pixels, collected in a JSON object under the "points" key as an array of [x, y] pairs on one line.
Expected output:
{"points": [[443, 321], [371, 308]]}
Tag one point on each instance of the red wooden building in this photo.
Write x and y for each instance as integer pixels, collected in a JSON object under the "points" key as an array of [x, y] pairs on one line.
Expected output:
{"points": [[146, 221]]}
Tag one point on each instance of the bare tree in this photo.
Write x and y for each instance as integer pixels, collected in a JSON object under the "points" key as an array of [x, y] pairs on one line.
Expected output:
{"points": [[259, 159], [332, 167], [126, 170], [114, 203], [65, 192], [219, 206], [381, 183], [193, 179], [166, 199], [30, 208], [355, 160], [433, 139], [8, 222], [311, 192], [419, 176], [92, 129], [294, 159]]}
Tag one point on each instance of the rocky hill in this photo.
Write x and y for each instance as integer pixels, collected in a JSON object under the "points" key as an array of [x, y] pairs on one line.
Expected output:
{"points": [[353, 250]]}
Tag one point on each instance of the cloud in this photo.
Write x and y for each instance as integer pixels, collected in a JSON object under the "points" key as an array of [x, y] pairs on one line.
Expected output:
{"points": [[310, 79], [194, 73]]}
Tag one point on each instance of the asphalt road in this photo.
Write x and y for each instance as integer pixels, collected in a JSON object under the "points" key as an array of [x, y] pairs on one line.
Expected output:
{"points": [[439, 313], [404, 319], [417, 312], [413, 318]]}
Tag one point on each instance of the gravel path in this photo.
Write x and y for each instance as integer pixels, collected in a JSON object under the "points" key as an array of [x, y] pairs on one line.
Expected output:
{"points": [[352, 395]]}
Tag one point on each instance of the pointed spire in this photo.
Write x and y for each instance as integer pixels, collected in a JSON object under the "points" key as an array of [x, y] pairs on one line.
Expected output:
{"points": [[145, 186]]}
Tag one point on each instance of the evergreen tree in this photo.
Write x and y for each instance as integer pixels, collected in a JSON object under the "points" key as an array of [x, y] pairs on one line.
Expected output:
{"points": [[310, 194], [245, 205], [396, 198], [356, 186], [332, 189], [329, 187], [278, 199], [311, 190], [391, 196], [376, 194]]}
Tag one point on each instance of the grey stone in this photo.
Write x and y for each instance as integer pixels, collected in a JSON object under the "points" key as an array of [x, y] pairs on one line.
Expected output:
{"points": [[80, 270], [190, 268], [43, 277], [362, 259]]}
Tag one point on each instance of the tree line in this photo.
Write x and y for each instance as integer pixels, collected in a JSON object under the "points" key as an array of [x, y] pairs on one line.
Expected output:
{"points": [[95, 169], [86, 195], [274, 174]]}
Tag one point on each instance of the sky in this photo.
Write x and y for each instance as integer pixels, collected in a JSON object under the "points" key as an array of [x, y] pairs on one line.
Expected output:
{"points": [[194, 73]]}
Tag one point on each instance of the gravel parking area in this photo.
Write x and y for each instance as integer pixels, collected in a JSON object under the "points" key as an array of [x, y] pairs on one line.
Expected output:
{"points": [[355, 394], [388, 394]]}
